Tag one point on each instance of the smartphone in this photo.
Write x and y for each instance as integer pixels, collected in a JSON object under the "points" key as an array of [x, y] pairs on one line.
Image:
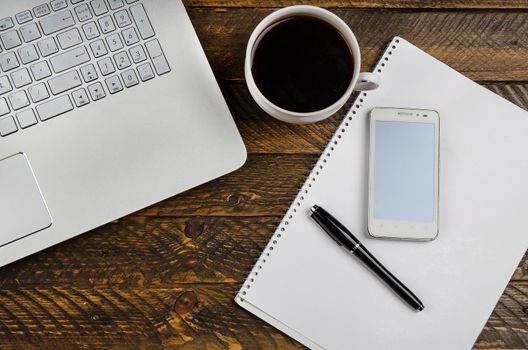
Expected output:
{"points": [[403, 174]]}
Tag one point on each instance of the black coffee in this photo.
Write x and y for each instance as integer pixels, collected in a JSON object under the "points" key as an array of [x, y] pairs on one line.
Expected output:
{"points": [[302, 64]]}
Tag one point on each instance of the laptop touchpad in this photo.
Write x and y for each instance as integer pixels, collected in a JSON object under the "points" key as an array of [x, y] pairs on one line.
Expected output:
{"points": [[22, 207]]}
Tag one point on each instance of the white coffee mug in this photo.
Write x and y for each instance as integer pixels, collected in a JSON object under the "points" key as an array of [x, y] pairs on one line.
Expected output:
{"points": [[359, 82]]}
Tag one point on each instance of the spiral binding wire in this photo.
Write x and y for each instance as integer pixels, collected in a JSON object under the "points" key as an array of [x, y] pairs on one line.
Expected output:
{"points": [[312, 178]]}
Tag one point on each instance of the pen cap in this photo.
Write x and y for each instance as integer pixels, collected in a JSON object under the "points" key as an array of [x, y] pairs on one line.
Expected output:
{"points": [[337, 231]]}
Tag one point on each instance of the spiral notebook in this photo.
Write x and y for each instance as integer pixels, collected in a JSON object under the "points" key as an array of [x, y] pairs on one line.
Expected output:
{"points": [[309, 288]]}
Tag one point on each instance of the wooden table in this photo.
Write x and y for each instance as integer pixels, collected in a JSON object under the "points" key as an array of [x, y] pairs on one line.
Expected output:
{"points": [[165, 277]]}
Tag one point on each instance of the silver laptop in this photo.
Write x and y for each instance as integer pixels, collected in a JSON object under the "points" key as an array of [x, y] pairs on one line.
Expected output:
{"points": [[106, 107]]}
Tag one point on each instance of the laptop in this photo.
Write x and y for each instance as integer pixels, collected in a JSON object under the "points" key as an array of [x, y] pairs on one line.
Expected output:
{"points": [[106, 107]]}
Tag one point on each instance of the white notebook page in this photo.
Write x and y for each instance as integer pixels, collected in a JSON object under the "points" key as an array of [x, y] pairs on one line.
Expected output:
{"points": [[314, 291]]}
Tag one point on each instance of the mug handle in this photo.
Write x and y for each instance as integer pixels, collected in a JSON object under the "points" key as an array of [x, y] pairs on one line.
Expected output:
{"points": [[367, 81]]}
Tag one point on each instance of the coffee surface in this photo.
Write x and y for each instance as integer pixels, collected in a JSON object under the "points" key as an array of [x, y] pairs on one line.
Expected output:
{"points": [[302, 64]]}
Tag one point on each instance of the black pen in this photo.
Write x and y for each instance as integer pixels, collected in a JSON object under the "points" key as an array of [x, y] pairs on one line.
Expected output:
{"points": [[347, 240]]}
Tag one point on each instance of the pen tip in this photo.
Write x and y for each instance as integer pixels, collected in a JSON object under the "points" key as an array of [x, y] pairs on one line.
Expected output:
{"points": [[314, 208]]}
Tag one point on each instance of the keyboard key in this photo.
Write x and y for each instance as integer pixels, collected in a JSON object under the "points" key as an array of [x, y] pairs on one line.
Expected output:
{"points": [[24, 17], [114, 84], [83, 13], [5, 85], [26, 118], [89, 73], [80, 97], [40, 70], [142, 21], [69, 38], [28, 54], [21, 78], [130, 36], [99, 7], [7, 126], [107, 24], [138, 54], [10, 39], [122, 18], [115, 4], [6, 23], [70, 59], [54, 108], [158, 58], [48, 47], [64, 82], [91, 31], [57, 22], [122, 60], [9, 61], [38, 93], [114, 42], [30, 32], [130, 78], [4, 107], [145, 72], [106, 66], [96, 91], [60, 72], [41, 10], [58, 5], [19, 100], [98, 48]]}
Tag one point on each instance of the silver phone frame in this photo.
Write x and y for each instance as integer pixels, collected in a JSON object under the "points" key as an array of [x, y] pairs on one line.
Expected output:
{"points": [[406, 230]]}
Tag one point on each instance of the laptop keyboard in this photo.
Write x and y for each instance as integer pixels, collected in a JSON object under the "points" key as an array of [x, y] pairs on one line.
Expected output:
{"points": [[66, 54]]}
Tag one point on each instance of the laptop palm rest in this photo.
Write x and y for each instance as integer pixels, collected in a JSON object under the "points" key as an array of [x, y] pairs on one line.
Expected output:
{"points": [[22, 207]]}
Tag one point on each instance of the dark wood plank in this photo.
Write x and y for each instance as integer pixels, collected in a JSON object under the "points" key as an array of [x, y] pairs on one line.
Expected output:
{"points": [[484, 45], [264, 134], [180, 316], [140, 252], [175, 316], [381, 4], [508, 324]]}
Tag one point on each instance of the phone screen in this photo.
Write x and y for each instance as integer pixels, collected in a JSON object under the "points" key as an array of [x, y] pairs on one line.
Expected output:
{"points": [[405, 171]]}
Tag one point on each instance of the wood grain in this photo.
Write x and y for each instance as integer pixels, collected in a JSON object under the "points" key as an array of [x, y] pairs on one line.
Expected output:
{"points": [[264, 135], [483, 45], [180, 316], [507, 327], [165, 277], [174, 316], [138, 252], [375, 4]]}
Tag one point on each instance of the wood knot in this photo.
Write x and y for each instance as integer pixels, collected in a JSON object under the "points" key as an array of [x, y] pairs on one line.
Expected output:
{"points": [[525, 310], [186, 303], [194, 228], [235, 199]]}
